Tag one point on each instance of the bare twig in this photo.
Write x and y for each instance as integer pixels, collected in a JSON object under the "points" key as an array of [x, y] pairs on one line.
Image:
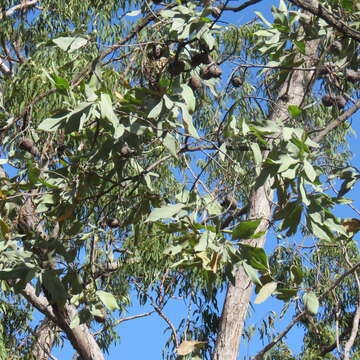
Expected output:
{"points": [[241, 7], [119, 321]]}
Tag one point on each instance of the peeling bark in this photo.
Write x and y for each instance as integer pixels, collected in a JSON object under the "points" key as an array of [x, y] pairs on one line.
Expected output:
{"points": [[237, 299]]}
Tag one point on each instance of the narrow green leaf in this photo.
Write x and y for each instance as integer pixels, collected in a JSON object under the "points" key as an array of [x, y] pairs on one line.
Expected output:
{"points": [[297, 274], [156, 110], [107, 112], [294, 110], [251, 273], [255, 257], [310, 171]]}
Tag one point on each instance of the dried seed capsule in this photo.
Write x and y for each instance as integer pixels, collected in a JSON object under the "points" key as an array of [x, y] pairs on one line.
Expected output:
{"points": [[112, 222], [340, 101], [195, 82], [215, 71], [352, 75], [28, 145], [202, 58], [236, 81], [176, 67], [327, 100]]}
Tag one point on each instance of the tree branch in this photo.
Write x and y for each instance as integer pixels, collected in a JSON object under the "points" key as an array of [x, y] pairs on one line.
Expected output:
{"points": [[22, 6], [39, 302], [241, 7], [314, 7], [333, 124], [261, 353]]}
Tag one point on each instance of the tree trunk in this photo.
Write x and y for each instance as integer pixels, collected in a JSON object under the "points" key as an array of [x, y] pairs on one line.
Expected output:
{"points": [[44, 340], [80, 336], [237, 299]]}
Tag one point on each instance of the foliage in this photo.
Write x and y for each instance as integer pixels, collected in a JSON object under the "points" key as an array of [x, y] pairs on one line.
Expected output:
{"points": [[130, 156]]}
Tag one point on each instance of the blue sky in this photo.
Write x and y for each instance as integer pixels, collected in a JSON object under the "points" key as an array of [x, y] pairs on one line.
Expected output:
{"points": [[144, 338]]}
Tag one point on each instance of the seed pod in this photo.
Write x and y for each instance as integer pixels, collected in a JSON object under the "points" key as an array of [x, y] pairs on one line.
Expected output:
{"points": [[322, 70], [157, 51], [336, 47], [202, 58], [205, 73], [99, 319], [215, 12], [125, 151], [327, 100], [236, 81], [176, 67], [28, 145], [352, 75], [229, 202], [340, 101], [195, 82], [112, 223], [215, 71]]}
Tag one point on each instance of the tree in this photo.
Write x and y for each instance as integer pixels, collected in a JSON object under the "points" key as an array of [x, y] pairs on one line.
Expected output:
{"points": [[152, 147]]}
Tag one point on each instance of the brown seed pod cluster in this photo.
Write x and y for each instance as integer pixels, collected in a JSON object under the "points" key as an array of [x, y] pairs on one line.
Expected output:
{"points": [[229, 202], [236, 81], [322, 70], [211, 71], [176, 67], [336, 47], [339, 101], [28, 145], [112, 223], [201, 58], [352, 75], [126, 151], [195, 82]]}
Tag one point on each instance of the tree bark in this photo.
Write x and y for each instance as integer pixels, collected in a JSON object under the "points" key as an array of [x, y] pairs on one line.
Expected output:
{"points": [[44, 340], [237, 299], [80, 336]]}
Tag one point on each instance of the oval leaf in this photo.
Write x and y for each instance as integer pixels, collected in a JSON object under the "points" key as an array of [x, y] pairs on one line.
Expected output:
{"points": [[311, 303], [266, 291], [108, 300], [188, 346]]}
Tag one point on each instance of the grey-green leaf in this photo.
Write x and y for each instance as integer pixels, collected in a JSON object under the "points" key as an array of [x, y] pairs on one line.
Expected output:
{"points": [[108, 300], [311, 303], [266, 291]]}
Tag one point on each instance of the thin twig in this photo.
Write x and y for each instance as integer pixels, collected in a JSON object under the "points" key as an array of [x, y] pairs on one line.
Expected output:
{"points": [[335, 123], [262, 352], [119, 321]]}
